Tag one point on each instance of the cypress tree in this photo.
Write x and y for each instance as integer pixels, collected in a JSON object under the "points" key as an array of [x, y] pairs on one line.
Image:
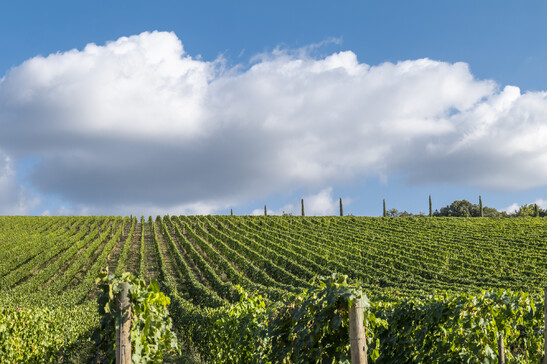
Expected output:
{"points": [[265, 211], [480, 206], [231, 212], [430, 207], [341, 208], [303, 208], [536, 210], [385, 213]]}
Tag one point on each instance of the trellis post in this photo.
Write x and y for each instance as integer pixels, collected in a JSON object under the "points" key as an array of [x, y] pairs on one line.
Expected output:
{"points": [[123, 329], [357, 338], [501, 350]]}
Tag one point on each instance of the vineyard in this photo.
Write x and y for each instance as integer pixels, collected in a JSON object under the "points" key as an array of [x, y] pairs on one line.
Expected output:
{"points": [[437, 286]]}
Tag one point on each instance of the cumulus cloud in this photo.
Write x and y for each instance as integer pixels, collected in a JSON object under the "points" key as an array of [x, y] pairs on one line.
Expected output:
{"points": [[514, 207], [323, 203], [541, 203], [139, 123]]}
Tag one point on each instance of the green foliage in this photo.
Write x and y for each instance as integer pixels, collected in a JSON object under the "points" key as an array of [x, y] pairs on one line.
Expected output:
{"points": [[313, 327], [28, 335], [393, 212], [309, 327], [424, 277], [462, 328], [461, 208], [530, 210], [464, 208], [151, 325], [240, 330], [492, 212], [41, 334]]}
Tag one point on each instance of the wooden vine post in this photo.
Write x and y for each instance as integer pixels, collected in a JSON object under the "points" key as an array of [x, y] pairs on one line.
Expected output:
{"points": [[357, 339], [501, 350], [123, 330]]}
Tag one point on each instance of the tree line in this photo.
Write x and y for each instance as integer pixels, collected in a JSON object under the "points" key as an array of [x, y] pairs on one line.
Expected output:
{"points": [[464, 208]]}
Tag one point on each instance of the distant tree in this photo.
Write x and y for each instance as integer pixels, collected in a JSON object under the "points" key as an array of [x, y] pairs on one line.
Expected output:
{"points": [[464, 208], [408, 214], [396, 213], [524, 211], [530, 210], [491, 212], [459, 208]]}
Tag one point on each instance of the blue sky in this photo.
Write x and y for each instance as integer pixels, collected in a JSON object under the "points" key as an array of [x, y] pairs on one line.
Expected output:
{"points": [[199, 107]]}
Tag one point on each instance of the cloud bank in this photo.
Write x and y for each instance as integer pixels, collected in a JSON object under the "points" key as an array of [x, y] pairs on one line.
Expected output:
{"points": [[139, 123]]}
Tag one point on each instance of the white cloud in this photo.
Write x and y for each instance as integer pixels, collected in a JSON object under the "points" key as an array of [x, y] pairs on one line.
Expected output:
{"points": [[511, 208], [140, 86], [541, 203], [322, 203], [138, 123]]}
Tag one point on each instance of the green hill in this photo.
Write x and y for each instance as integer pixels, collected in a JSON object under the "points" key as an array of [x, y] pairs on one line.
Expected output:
{"points": [[52, 262]]}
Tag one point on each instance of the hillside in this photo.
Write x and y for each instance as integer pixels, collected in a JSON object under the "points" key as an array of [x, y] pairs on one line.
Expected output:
{"points": [[53, 261]]}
